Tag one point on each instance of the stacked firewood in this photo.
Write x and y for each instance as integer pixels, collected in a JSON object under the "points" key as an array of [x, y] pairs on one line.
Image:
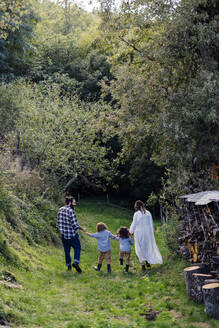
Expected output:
{"points": [[199, 244], [199, 234]]}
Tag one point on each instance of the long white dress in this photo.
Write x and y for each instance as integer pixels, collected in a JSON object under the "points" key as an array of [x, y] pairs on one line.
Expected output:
{"points": [[145, 244]]}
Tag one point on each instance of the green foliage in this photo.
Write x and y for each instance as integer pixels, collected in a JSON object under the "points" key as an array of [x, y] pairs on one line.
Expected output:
{"points": [[8, 108], [38, 224], [63, 135], [152, 199], [17, 20], [162, 117], [6, 203], [69, 57], [11, 13], [23, 207], [165, 94], [7, 254], [170, 231]]}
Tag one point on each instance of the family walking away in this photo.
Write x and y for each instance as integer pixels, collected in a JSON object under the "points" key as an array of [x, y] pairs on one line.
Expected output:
{"points": [[142, 228]]}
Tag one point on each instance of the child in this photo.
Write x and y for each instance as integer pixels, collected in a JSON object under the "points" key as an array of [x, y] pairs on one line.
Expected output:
{"points": [[125, 246], [103, 243]]}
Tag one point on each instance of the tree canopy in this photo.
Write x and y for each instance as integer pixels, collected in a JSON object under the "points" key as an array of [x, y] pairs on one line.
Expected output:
{"points": [[122, 98]]}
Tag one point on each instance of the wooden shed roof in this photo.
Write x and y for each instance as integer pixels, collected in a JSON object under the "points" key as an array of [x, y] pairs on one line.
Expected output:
{"points": [[202, 198]]}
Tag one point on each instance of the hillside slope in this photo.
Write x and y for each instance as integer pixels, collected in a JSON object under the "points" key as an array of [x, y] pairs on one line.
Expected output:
{"points": [[37, 291]]}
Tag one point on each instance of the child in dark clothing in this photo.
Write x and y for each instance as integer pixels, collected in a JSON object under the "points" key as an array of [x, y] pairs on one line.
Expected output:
{"points": [[123, 236]]}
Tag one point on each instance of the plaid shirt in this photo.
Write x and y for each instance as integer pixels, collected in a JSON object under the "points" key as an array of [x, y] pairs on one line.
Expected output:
{"points": [[67, 222]]}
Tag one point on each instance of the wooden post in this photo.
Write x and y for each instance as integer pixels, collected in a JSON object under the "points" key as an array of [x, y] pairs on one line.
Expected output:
{"points": [[198, 281], [188, 273], [211, 299]]}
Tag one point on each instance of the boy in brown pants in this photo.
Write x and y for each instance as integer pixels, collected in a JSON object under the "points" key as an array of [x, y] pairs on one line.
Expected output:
{"points": [[103, 243]]}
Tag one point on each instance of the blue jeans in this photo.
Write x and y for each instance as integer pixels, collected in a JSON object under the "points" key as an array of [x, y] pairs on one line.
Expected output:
{"points": [[67, 244]]}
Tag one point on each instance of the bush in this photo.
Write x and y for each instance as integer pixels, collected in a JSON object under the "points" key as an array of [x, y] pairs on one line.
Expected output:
{"points": [[7, 253], [6, 202], [170, 231]]}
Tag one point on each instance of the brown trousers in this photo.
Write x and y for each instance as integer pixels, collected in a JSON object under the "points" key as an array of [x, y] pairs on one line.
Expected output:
{"points": [[102, 256], [126, 255]]}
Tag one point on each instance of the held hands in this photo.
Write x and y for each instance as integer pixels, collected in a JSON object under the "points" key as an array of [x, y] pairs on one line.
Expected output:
{"points": [[85, 231]]}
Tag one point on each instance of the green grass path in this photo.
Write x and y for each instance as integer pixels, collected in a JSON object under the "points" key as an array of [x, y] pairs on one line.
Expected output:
{"points": [[53, 297]]}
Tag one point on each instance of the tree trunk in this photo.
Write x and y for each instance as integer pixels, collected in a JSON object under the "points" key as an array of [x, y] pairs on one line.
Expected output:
{"points": [[211, 299], [188, 273], [198, 281]]}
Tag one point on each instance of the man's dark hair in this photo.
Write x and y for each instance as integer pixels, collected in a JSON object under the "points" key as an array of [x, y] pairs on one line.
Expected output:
{"points": [[68, 200]]}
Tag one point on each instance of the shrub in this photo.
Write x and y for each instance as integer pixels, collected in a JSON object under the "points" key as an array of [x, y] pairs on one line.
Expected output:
{"points": [[7, 253], [170, 231]]}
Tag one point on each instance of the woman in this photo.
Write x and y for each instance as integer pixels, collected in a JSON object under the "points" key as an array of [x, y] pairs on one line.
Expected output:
{"points": [[143, 229]]}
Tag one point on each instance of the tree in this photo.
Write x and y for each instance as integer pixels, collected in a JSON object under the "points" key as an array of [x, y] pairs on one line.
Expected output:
{"points": [[68, 57], [59, 136], [11, 13], [164, 61], [17, 20]]}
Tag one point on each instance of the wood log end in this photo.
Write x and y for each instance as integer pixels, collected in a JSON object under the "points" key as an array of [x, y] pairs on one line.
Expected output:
{"points": [[203, 275], [210, 286], [191, 268]]}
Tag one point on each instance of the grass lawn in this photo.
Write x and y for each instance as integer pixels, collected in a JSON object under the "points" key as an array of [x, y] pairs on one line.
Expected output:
{"points": [[53, 297]]}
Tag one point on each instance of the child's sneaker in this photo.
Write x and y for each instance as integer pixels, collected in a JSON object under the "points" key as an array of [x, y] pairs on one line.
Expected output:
{"points": [[97, 268]]}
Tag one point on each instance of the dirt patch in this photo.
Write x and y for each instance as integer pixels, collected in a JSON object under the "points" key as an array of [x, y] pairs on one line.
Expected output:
{"points": [[120, 318], [176, 314], [11, 285], [200, 324]]}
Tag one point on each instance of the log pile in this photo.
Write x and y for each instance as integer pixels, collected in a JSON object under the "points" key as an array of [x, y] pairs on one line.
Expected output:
{"points": [[199, 234], [201, 288], [199, 244]]}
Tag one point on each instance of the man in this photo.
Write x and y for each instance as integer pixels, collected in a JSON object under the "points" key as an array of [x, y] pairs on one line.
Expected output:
{"points": [[68, 227]]}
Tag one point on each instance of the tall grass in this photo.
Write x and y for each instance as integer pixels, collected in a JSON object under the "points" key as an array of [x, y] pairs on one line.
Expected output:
{"points": [[53, 297]]}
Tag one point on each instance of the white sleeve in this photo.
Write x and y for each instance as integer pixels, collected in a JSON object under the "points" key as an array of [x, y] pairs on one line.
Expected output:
{"points": [[134, 223]]}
